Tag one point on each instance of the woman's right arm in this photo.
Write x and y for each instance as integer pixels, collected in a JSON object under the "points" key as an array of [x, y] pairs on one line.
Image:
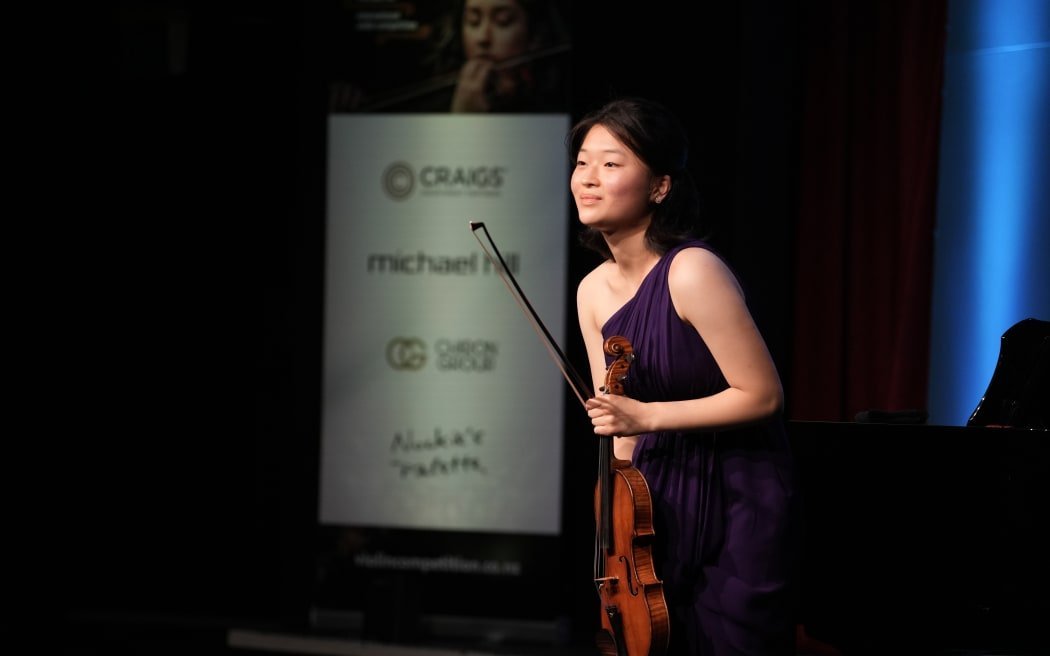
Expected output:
{"points": [[591, 331], [590, 327]]}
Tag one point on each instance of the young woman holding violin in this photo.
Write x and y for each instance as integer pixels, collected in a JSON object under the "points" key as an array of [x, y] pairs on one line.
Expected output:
{"points": [[700, 411]]}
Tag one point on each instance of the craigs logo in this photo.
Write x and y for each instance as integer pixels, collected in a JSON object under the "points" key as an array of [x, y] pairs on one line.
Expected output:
{"points": [[398, 180], [406, 353], [401, 180]]}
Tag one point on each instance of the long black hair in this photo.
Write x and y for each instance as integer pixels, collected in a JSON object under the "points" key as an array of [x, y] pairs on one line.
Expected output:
{"points": [[657, 138]]}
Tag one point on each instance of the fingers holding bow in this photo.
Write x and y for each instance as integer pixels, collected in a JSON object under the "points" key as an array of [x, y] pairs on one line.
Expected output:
{"points": [[613, 414]]}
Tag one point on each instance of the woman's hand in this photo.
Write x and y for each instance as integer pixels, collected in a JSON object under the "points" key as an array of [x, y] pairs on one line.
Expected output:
{"points": [[472, 87], [613, 414]]}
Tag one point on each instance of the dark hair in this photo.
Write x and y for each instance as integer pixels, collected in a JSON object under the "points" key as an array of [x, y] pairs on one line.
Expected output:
{"points": [[657, 138]]}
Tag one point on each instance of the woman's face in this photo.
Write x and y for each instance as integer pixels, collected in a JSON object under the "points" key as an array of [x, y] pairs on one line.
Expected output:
{"points": [[613, 188], [494, 29]]}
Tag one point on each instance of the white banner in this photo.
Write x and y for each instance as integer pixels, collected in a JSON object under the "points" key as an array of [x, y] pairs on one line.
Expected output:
{"points": [[442, 408]]}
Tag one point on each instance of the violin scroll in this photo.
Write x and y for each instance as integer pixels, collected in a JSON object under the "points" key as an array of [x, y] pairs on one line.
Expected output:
{"points": [[619, 347]]}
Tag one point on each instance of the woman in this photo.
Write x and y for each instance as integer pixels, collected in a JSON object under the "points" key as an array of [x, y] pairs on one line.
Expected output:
{"points": [[500, 41], [481, 56], [701, 414]]}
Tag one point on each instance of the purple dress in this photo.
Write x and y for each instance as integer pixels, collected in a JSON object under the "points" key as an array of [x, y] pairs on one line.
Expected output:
{"points": [[725, 502]]}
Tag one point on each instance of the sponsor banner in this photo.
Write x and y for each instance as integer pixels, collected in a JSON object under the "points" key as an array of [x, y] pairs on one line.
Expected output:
{"points": [[442, 408]]}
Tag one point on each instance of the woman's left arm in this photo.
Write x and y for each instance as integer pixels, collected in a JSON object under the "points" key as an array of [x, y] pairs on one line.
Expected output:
{"points": [[708, 297]]}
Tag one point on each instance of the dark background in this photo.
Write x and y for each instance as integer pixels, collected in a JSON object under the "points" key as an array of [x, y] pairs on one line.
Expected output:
{"points": [[177, 224]]}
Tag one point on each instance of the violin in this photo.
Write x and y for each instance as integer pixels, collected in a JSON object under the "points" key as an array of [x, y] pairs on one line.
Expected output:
{"points": [[634, 614]]}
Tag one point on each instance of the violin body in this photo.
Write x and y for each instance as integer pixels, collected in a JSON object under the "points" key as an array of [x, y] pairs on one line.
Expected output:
{"points": [[634, 613]]}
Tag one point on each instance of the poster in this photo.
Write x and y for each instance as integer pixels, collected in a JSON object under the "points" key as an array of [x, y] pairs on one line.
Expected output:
{"points": [[442, 408]]}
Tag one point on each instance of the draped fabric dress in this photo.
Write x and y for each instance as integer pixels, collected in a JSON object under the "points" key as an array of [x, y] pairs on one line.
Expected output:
{"points": [[725, 502]]}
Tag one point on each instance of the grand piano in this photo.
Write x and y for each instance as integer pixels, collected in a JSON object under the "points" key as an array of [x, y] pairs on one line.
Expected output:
{"points": [[925, 539]]}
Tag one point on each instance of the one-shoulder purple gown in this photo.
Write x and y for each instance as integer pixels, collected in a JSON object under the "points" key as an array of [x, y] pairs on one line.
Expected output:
{"points": [[725, 502]]}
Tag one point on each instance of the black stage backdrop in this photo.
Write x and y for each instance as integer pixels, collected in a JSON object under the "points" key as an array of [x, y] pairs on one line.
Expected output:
{"points": [[183, 271]]}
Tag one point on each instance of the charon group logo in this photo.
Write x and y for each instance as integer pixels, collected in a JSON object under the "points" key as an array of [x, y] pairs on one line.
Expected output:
{"points": [[398, 180], [406, 353], [464, 355]]}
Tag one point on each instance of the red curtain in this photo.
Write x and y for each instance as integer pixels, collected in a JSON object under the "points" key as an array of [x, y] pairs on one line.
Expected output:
{"points": [[873, 73]]}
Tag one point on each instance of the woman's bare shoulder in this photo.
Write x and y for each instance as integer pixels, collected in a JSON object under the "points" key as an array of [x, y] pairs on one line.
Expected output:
{"points": [[699, 266], [596, 279]]}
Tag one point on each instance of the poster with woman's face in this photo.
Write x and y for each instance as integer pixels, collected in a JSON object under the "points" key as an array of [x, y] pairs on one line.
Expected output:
{"points": [[454, 56], [441, 405]]}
